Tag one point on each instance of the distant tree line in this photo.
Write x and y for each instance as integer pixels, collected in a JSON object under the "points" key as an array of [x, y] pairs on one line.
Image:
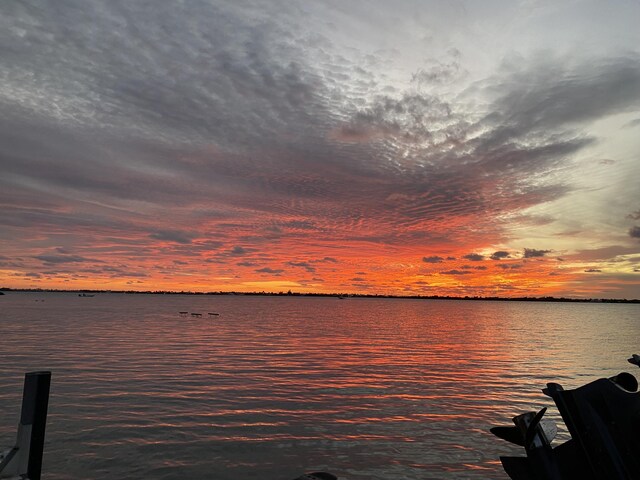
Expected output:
{"points": [[337, 295]]}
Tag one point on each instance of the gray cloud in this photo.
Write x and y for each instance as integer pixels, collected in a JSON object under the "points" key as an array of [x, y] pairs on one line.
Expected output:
{"points": [[499, 255], [115, 272], [507, 266], [173, 236], [246, 264], [306, 265], [551, 93], [471, 267], [455, 272], [327, 260], [227, 81], [300, 225], [412, 117], [53, 259], [174, 116], [437, 73], [238, 251], [634, 232], [271, 271], [474, 257], [533, 253]]}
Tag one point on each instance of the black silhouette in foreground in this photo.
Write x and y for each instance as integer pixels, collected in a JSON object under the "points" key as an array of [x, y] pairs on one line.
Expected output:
{"points": [[603, 418], [24, 460]]}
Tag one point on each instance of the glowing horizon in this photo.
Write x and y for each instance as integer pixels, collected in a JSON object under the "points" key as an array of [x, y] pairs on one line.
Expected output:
{"points": [[427, 148]]}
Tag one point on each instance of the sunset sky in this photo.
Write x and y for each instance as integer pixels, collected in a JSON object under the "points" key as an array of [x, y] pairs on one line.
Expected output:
{"points": [[406, 147]]}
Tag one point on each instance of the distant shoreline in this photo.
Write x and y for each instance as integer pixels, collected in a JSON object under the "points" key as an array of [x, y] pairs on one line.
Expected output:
{"points": [[335, 295]]}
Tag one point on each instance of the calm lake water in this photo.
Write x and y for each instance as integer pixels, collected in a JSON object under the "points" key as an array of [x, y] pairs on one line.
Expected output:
{"points": [[276, 386]]}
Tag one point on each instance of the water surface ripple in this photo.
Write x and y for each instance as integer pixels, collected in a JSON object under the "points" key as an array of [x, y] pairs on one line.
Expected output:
{"points": [[275, 386]]}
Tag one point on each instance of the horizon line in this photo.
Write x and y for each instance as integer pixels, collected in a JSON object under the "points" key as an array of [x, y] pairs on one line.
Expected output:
{"points": [[340, 295]]}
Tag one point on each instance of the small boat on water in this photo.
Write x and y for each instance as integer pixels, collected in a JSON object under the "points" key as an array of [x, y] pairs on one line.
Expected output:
{"points": [[86, 295]]}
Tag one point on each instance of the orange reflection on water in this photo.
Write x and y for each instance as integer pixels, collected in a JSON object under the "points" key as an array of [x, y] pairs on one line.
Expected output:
{"points": [[360, 384]]}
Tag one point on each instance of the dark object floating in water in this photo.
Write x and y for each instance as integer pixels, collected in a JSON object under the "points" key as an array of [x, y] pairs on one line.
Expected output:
{"points": [[183, 313], [24, 460], [603, 418], [86, 295], [317, 476], [196, 314], [214, 314]]}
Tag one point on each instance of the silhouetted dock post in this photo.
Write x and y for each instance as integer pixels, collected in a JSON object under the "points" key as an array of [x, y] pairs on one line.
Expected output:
{"points": [[25, 458]]}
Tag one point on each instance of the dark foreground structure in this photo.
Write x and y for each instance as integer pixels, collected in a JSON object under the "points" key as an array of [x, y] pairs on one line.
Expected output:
{"points": [[24, 460], [603, 418]]}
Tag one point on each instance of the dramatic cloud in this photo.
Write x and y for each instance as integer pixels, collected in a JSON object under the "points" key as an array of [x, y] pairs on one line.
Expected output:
{"points": [[327, 260], [238, 251], [533, 253], [270, 271], [172, 236], [318, 139], [499, 255], [246, 264], [61, 258], [512, 266], [634, 232], [434, 259], [306, 265], [455, 272]]}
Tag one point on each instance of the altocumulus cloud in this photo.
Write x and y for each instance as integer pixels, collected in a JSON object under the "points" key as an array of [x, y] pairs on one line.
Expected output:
{"points": [[271, 271], [148, 115], [173, 236], [533, 253], [52, 259]]}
